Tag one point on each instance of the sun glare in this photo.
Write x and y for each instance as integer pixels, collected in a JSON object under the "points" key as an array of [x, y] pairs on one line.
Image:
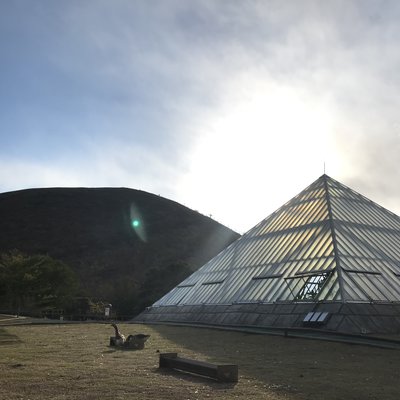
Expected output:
{"points": [[253, 149]]}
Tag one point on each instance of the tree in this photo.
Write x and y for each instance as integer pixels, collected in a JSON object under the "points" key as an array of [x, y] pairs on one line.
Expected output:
{"points": [[34, 282]]}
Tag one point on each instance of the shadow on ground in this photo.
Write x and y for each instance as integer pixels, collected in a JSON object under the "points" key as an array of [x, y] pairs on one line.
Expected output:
{"points": [[185, 376], [301, 368]]}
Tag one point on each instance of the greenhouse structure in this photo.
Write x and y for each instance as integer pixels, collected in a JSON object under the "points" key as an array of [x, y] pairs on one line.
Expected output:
{"points": [[327, 259]]}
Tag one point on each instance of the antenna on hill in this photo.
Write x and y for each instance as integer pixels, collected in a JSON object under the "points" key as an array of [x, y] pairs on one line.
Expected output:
{"points": [[324, 167]]}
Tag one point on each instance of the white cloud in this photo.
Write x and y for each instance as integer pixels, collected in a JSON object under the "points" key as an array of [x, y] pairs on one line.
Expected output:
{"points": [[109, 164], [230, 108]]}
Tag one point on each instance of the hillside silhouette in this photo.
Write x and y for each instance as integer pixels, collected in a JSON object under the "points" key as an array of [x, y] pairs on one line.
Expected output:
{"points": [[116, 240]]}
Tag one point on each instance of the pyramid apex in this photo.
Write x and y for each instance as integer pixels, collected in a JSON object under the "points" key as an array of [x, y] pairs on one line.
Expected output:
{"points": [[325, 176]]}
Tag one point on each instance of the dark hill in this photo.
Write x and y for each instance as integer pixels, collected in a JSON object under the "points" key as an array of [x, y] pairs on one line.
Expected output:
{"points": [[91, 230]]}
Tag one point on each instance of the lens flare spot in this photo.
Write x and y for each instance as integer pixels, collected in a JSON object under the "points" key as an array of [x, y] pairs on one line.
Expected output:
{"points": [[137, 223]]}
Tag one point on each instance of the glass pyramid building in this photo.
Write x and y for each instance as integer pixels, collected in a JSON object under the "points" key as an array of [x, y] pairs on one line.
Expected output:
{"points": [[329, 258]]}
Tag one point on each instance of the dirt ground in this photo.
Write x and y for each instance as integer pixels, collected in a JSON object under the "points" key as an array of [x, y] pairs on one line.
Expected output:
{"points": [[74, 361]]}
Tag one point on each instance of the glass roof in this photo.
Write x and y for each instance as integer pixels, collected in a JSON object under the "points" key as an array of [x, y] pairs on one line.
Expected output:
{"points": [[329, 243]]}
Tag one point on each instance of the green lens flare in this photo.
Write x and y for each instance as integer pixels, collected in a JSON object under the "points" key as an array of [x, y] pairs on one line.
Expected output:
{"points": [[135, 223]]}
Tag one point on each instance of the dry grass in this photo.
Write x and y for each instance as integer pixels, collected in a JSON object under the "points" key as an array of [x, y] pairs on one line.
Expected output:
{"points": [[74, 362]]}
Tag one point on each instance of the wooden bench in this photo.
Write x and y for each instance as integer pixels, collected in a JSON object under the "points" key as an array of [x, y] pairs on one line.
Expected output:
{"points": [[220, 372]]}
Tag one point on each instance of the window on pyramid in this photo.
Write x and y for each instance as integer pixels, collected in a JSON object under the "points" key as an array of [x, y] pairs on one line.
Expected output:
{"points": [[312, 287]]}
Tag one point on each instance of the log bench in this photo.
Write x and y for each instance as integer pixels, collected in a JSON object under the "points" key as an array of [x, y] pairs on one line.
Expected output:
{"points": [[219, 372]]}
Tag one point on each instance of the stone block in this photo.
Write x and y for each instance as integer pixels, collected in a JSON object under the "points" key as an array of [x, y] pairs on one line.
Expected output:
{"points": [[361, 309], [231, 318], [397, 308], [265, 308], [332, 308], [266, 320], [388, 323], [285, 321], [284, 308], [219, 319], [367, 324], [385, 309], [348, 326], [248, 319], [304, 308], [334, 322]]}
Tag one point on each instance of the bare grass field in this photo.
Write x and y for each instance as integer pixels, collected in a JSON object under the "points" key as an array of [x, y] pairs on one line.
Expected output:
{"points": [[74, 361]]}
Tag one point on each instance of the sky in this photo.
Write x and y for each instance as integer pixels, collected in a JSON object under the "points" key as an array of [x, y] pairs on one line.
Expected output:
{"points": [[230, 108]]}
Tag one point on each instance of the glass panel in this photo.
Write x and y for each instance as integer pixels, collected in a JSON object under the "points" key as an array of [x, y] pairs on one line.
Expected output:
{"points": [[312, 287], [174, 297], [297, 239]]}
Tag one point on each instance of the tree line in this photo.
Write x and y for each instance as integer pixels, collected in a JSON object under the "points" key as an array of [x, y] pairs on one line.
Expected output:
{"points": [[33, 284]]}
